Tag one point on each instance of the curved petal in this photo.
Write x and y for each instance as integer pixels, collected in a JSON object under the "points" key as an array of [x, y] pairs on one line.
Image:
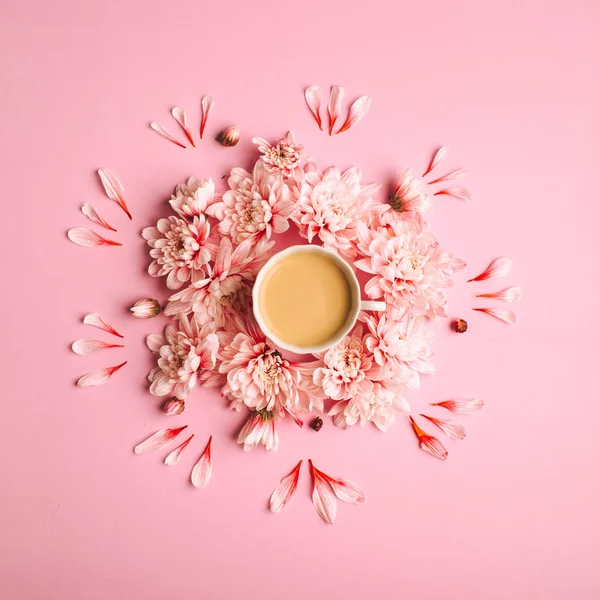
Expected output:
{"points": [[285, 490], [202, 471], [158, 440], [98, 377]]}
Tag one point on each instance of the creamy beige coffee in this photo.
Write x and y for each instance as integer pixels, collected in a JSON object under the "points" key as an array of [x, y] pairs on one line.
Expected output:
{"points": [[306, 298]]}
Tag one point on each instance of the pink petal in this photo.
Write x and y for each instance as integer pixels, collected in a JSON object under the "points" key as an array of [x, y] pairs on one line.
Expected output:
{"points": [[436, 160], [452, 429], [113, 189], [285, 490], [347, 491], [92, 214], [158, 440], [323, 496], [335, 105], [497, 268], [173, 457], [509, 294], [203, 468], [457, 173], [207, 103], [462, 407], [462, 193], [88, 238], [504, 314], [98, 377], [95, 320], [85, 347], [429, 443], [165, 134], [357, 111], [180, 116], [313, 99]]}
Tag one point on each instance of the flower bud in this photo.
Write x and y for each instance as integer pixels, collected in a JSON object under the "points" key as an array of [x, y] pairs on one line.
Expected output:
{"points": [[146, 308], [230, 136], [173, 407]]}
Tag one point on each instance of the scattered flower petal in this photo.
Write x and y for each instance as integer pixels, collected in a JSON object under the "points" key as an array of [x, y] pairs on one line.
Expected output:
{"points": [[462, 193], [85, 347], [504, 314], [437, 158], [230, 136], [88, 238], [346, 491], [173, 457], [113, 189], [461, 407], [452, 429], [165, 134], [335, 105], [158, 440], [285, 490], [323, 496], [509, 294], [313, 99], [180, 116], [173, 407], [357, 111], [207, 103], [95, 320], [146, 308], [203, 468], [92, 214], [497, 268], [429, 443], [98, 377], [456, 174]]}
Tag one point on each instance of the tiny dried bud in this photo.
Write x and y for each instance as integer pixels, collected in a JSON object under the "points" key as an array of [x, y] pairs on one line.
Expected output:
{"points": [[317, 423], [173, 407], [230, 136], [146, 308], [459, 325]]}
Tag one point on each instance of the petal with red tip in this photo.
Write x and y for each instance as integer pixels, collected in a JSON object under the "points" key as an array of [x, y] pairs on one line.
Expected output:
{"points": [[285, 490], [504, 314], [207, 103], [462, 407], [346, 491], [98, 377], [499, 267], [462, 193], [452, 429], [181, 118], [437, 158], [165, 134], [158, 440], [113, 188], [323, 496], [95, 320], [173, 457], [87, 346], [335, 105], [456, 174], [509, 294], [92, 214], [202, 470], [357, 111], [312, 95], [88, 238], [429, 443]]}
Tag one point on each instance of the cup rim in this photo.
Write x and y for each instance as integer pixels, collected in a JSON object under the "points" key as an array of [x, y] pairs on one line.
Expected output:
{"points": [[352, 318]]}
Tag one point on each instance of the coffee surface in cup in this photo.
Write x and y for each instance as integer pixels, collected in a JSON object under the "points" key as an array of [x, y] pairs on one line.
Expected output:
{"points": [[305, 298]]}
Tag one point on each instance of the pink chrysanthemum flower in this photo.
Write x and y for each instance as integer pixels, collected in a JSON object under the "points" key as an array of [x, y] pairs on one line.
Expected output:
{"points": [[330, 204], [348, 368], [192, 199], [410, 194], [283, 158], [187, 354], [409, 268], [180, 249], [259, 430], [255, 207]]}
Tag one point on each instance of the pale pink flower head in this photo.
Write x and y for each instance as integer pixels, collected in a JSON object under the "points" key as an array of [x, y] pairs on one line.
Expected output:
{"points": [[259, 430], [187, 354], [255, 207], [192, 199], [329, 206], [180, 249], [348, 368], [283, 158], [410, 194]]}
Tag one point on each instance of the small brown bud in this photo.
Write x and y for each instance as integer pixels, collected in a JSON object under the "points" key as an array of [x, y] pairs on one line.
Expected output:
{"points": [[459, 325], [317, 423], [230, 136]]}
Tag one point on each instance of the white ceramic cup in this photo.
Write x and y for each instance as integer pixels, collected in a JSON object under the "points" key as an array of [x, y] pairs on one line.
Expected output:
{"points": [[357, 303]]}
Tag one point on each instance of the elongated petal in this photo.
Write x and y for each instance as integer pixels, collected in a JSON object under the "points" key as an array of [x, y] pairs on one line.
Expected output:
{"points": [[457, 173], [285, 490], [499, 267], [92, 214], [88, 238], [461, 407], [203, 468], [429, 443], [347, 491], [85, 347], [323, 496], [98, 377], [504, 314], [335, 105], [180, 116], [173, 457], [357, 111], [165, 134], [312, 95], [452, 429], [158, 440], [113, 189], [95, 320], [207, 103], [509, 294], [462, 193], [437, 158]]}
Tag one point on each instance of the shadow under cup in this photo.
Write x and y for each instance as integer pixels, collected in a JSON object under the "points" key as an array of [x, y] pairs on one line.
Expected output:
{"points": [[306, 299]]}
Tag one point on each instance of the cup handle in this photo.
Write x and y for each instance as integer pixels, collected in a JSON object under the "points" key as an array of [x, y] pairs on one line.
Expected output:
{"points": [[375, 306]]}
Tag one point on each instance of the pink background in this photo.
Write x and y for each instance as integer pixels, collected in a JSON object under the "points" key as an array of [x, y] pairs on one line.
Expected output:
{"points": [[512, 89]]}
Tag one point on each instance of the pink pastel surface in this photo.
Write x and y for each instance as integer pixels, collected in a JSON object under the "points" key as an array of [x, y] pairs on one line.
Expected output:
{"points": [[512, 89]]}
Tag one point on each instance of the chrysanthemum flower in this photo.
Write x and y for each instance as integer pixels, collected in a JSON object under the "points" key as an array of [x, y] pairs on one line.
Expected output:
{"points": [[283, 158], [410, 194], [192, 199], [259, 430]]}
